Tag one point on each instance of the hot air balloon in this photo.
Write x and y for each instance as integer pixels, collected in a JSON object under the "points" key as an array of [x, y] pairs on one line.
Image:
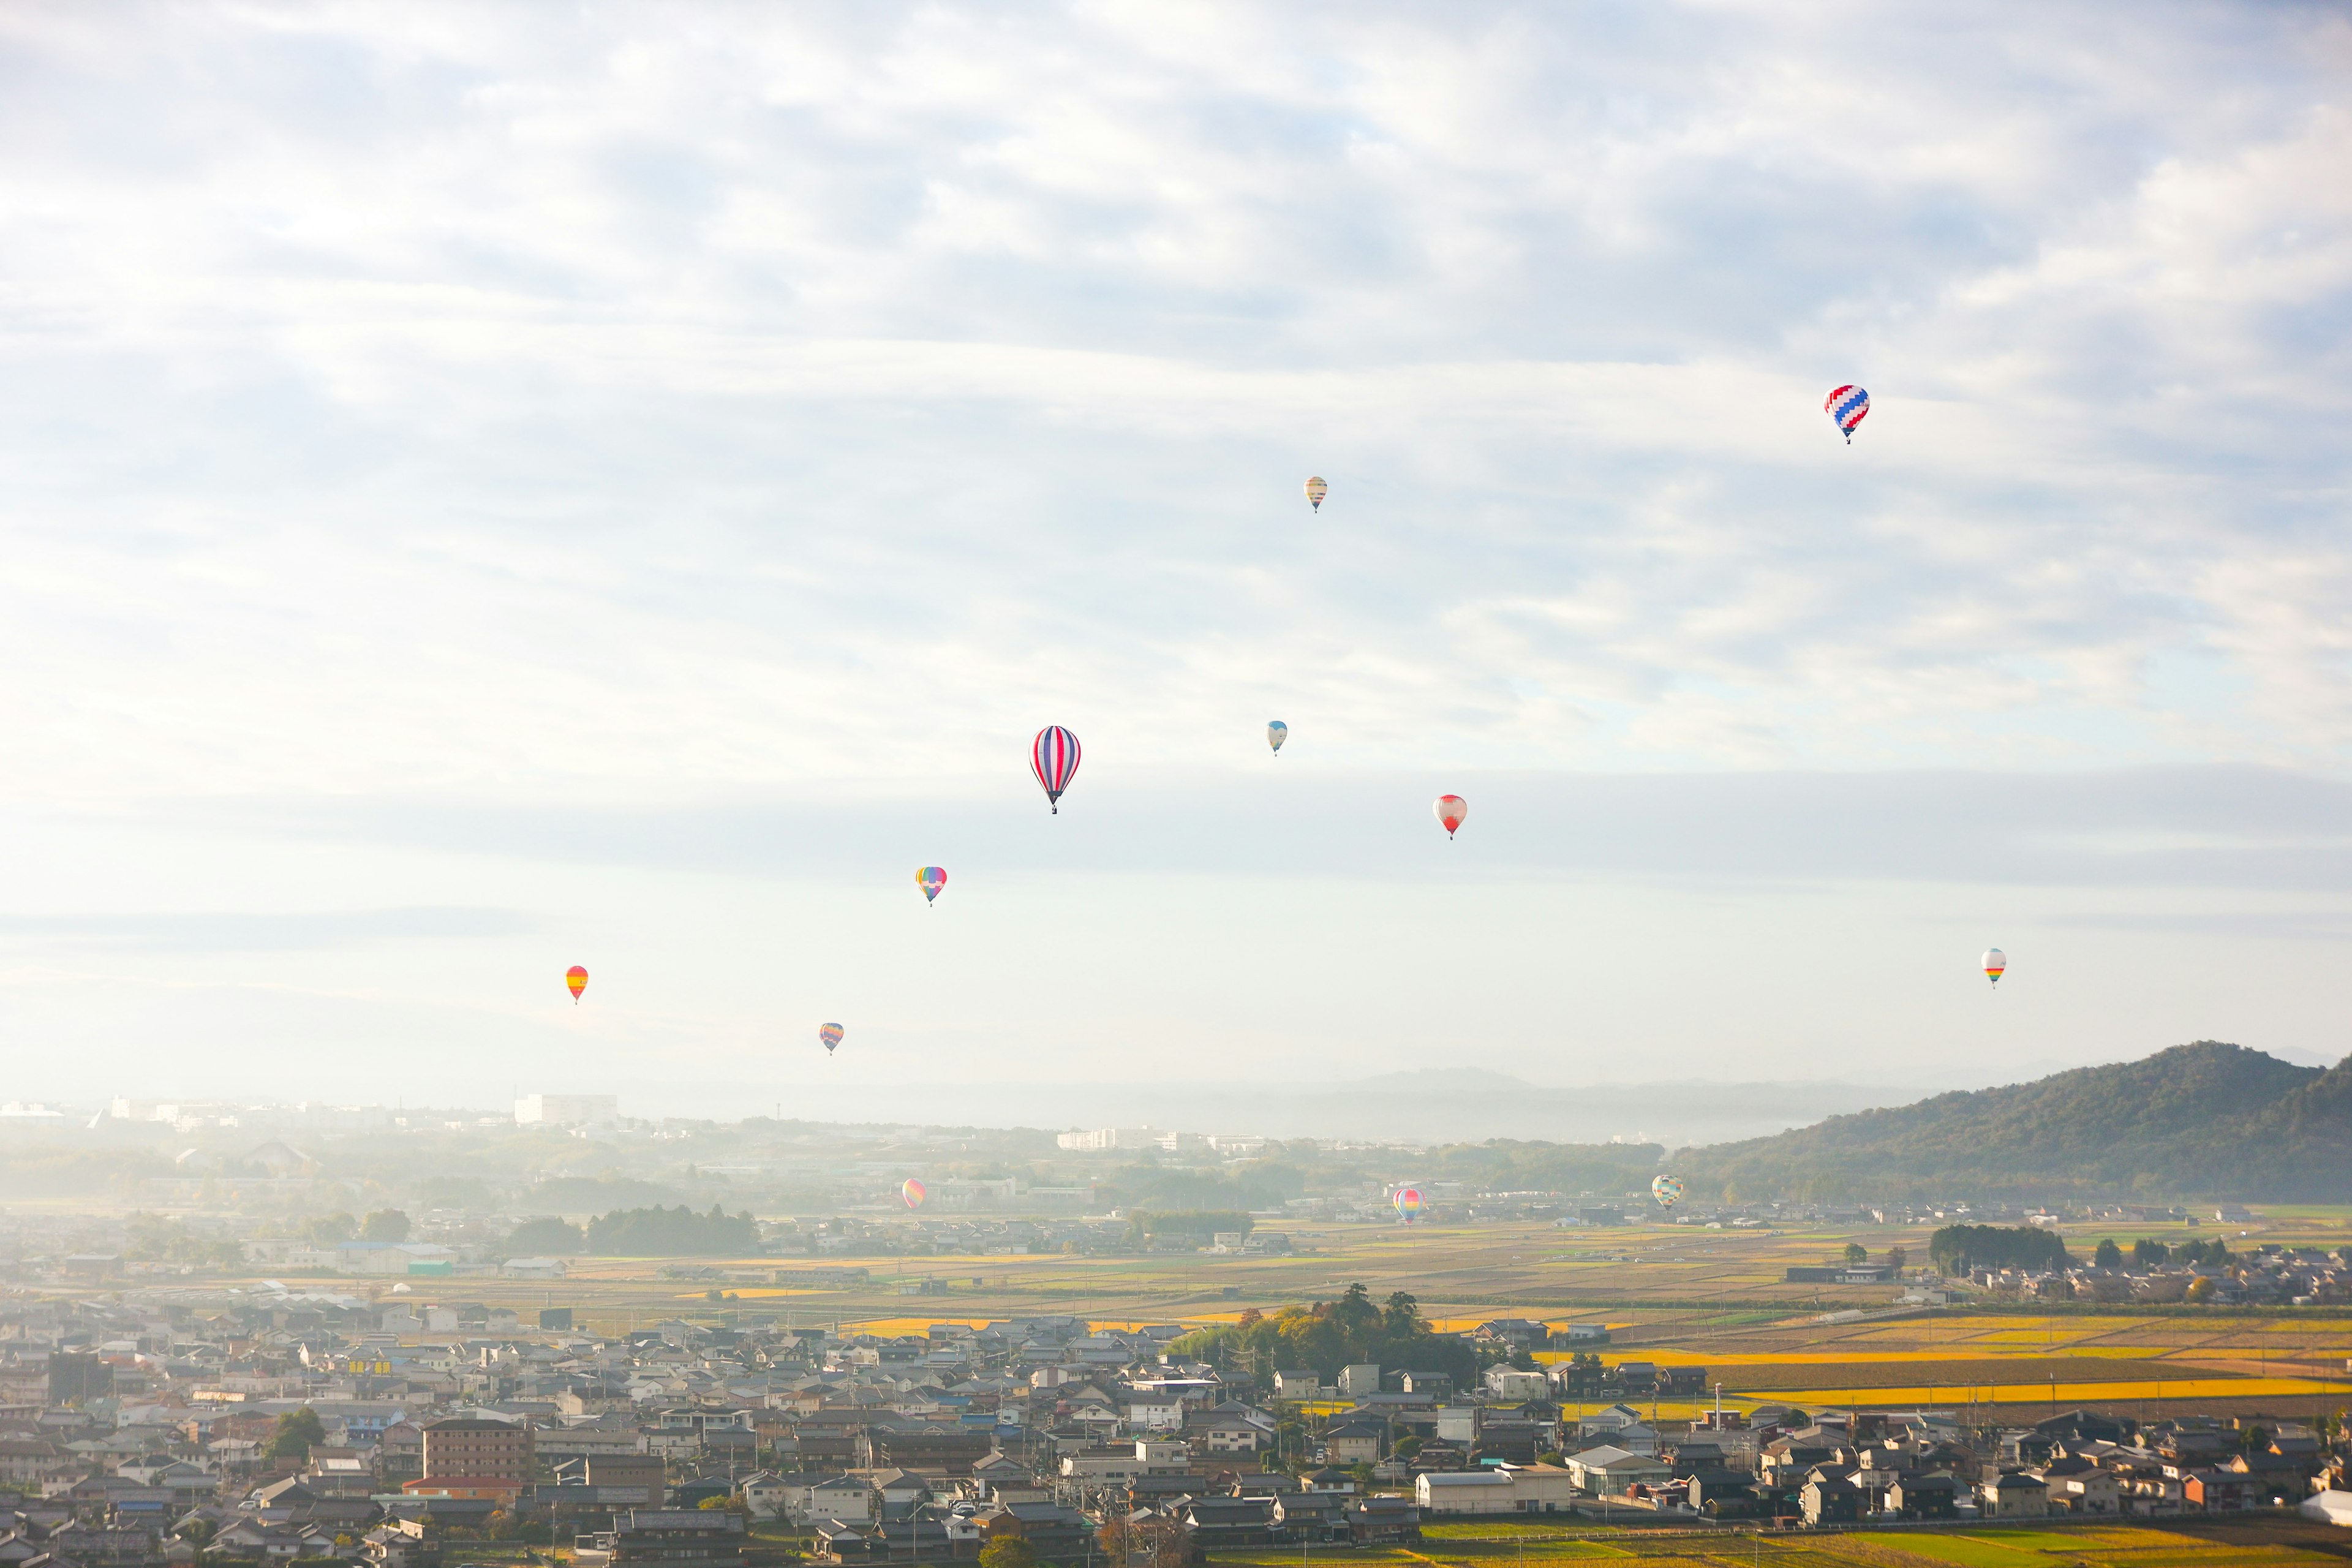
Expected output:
{"points": [[931, 878], [1408, 1203], [831, 1035], [913, 1192], [1275, 734], [1667, 1190], [576, 978], [1848, 406], [1995, 961], [1316, 491], [1451, 809], [1053, 758]]}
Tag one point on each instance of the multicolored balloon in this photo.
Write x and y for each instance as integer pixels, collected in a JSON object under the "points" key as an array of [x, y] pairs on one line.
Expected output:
{"points": [[1667, 1190], [1407, 1204], [1275, 734], [1848, 406], [1053, 758], [1995, 961], [1451, 810], [576, 978], [931, 879], [1316, 491], [914, 1192], [831, 1034]]}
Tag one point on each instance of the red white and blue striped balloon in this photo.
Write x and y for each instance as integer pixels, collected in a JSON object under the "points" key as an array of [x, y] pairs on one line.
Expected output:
{"points": [[1053, 758], [1847, 406]]}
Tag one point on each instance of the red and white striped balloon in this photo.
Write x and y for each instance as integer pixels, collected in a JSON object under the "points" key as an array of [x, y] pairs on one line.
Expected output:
{"points": [[1053, 758]]}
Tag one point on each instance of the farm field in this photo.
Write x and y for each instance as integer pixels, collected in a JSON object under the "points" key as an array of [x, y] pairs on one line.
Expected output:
{"points": [[2252, 1543], [1668, 1294]]}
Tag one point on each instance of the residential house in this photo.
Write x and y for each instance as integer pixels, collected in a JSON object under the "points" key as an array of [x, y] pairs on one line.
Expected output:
{"points": [[669, 1538], [1383, 1520], [1354, 1442], [848, 1499], [2013, 1494], [1829, 1499], [1609, 1470], [1229, 1522]]}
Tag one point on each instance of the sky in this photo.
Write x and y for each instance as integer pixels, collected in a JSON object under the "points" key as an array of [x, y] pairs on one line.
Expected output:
{"points": [[488, 487]]}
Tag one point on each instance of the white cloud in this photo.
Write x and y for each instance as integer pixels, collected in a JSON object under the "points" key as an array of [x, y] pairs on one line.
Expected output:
{"points": [[643, 407]]}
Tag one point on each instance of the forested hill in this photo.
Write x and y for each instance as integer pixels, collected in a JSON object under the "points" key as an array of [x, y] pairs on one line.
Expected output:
{"points": [[2203, 1120]]}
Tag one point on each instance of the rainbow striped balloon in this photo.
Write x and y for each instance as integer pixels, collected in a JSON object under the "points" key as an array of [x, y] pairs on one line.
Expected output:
{"points": [[914, 1192], [1053, 758], [1407, 1204], [831, 1034], [1316, 491], [1995, 961], [931, 878]]}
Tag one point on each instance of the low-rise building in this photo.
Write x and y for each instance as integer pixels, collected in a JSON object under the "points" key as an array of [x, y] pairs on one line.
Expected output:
{"points": [[665, 1537]]}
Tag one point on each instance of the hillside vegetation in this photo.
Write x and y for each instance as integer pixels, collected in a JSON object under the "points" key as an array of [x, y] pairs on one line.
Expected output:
{"points": [[2206, 1120]]}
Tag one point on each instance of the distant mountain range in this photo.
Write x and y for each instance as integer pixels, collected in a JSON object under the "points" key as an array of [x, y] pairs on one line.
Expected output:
{"points": [[2203, 1120], [1429, 1106]]}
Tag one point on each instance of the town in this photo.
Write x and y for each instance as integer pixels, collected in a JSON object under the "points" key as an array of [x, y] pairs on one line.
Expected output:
{"points": [[312, 1424], [264, 1357]]}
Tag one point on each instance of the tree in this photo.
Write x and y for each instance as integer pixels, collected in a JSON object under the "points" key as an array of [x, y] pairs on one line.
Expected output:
{"points": [[1855, 1253], [2150, 1253], [2200, 1289], [549, 1236], [658, 1231], [2108, 1254], [327, 1229], [1149, 1542], [384, 1225], [294, 1435], [1008, 1551], [1898, 1259]]}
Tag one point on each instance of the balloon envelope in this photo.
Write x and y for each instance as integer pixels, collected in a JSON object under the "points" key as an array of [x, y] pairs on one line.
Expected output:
{"points": [[1316, 491], [1408, 1203], [1848, 406], [1277, 733], [1451, 810], [1995, 961], [1053, 758], [577, 979], [913, 1192], [831, 1034], [931, 879], [1667, 1190]]}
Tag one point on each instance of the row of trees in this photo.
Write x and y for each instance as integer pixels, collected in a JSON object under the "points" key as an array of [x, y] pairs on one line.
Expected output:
{"points": [[1142, 1225], [381, 1224], [1957, 1248], [1896, 1258], [655, 1232], [2148, 1253]]}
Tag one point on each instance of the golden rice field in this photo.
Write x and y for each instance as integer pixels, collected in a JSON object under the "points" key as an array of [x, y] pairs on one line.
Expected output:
{"points": [[1674, 1295], [2252, 1543]]}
